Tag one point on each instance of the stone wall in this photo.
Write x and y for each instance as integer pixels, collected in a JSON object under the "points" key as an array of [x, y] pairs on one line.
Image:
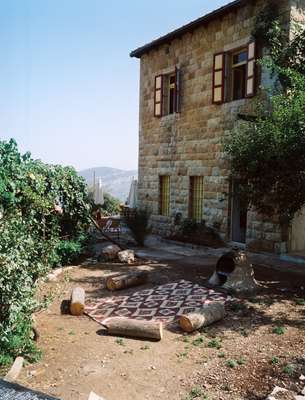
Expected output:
{"points": [[190, 143]]}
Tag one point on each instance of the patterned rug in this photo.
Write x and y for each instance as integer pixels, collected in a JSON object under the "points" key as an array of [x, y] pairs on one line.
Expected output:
{"points": [[163, 303]]}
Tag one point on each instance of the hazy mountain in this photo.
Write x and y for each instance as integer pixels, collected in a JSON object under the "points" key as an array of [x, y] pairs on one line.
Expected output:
{"points": [[115, 181]]}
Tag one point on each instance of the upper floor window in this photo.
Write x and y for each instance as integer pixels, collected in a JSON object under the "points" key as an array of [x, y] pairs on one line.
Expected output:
{"points": [[238, 74], [234, 75], [167, 94], [170, 94]]}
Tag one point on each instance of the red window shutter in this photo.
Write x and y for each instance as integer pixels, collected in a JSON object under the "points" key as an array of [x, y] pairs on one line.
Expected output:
{"points": [[158, 96], [251, 69], [178, 90], [219, 78]]}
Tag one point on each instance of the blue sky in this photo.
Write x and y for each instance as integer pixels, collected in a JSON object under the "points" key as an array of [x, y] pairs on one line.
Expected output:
{"points": [[69, 90]]}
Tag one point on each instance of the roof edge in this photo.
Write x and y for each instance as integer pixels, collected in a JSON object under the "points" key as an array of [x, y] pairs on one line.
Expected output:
{"points": [[188, 27]]}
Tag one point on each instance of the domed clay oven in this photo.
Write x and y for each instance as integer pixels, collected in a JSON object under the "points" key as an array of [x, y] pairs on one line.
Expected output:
{"points": [[234, 272]]}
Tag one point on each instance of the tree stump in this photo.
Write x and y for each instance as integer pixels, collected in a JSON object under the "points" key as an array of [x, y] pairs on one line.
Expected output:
{"points": [[134, 328], [125, 281], [206, 316], [77, 304], [234, 272]]}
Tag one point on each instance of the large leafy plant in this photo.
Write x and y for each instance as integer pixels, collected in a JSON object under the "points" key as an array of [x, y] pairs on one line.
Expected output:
{"points": [[267, 150], [43, 208]]}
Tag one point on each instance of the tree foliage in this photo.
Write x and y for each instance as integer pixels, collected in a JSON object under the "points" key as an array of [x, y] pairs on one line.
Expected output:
{"points": [[268, 154], [40, 205], [111, 205]]}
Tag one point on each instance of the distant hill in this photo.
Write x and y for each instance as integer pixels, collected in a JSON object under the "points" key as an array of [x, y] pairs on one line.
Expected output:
{"points": [[115, 181]]}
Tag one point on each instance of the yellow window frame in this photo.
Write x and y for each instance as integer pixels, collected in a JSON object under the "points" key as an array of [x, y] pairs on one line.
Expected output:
{"points": [[196, 198], [164, 207]]}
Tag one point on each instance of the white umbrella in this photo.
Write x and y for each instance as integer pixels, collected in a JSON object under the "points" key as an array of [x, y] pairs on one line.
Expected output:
{"points": [[133, 194], [98, 192]]}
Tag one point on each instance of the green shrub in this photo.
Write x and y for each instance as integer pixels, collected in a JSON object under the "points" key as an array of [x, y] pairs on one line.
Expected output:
{"points": [[289, 369], [279, 330], [111, 205], [241, 361], [198, 341], [274, 129], [231, 363], [68, 251], [39, 204], [199, 233], [190, 227], [214, 343], [138, 224], [274, 361]]}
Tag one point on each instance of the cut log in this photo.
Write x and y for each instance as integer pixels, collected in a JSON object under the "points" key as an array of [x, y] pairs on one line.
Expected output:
{"points": [[15, 370], [134, 328], [124, 281], [77, 303], [207, 315]]}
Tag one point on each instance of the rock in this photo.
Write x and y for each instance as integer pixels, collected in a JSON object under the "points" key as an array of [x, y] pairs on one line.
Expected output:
{"points": [[126, 256], [15, 370], [94, 396], [279, 393], [111, 252], [36, 372]]}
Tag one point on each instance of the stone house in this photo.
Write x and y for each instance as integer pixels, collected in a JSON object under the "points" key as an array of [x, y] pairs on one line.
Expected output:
{"points": [[194, 82]]}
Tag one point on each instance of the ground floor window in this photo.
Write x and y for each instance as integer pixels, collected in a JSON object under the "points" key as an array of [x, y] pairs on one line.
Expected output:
{"points": [[164, 202], [196, 198]]}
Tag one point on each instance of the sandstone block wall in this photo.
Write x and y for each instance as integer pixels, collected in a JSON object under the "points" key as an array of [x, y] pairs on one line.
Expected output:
{"points": [[190, 143]]}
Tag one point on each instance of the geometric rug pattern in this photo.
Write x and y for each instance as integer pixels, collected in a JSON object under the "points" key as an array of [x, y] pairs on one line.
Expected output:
{"points": [[162, 303]]}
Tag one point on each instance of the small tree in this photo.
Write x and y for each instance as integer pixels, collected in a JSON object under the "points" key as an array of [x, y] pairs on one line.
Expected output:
{"points": [[268, 153], [111, 205], [138, 224]]}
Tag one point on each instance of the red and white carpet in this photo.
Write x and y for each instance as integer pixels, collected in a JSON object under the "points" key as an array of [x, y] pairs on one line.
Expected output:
{"points": [[162, 303]]}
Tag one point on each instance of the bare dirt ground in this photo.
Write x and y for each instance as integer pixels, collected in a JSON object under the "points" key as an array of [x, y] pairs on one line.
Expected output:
{"points": [[260, 344]]}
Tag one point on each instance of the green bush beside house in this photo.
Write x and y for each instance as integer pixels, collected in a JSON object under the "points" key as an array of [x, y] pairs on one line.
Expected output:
{"points": [[44, 215]]}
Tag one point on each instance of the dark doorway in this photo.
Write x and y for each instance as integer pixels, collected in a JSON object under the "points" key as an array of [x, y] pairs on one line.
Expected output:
{"points": [[239, 215]]}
